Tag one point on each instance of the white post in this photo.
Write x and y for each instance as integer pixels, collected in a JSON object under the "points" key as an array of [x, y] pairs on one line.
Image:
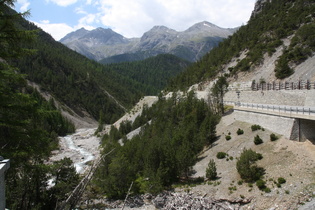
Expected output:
{"points": [[4, 166]]}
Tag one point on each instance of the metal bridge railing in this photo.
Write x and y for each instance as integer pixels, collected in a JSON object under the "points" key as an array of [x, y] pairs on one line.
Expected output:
{"points": [[300, 110]]}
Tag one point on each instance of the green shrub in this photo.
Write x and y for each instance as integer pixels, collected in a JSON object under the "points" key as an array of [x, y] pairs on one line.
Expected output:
{"points": [[281, 180], [240, 132], [261, 184], [255, 127], [258, 140], [267, 190], [211, 171], [221, 155], [228, 138], [273, 137], [247, 168], [234, 188]]}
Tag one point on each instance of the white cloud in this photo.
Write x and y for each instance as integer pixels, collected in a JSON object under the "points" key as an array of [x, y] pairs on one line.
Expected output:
{"points": [[88, 2], [63, 3], [60, 30], [57, 30], [133, 18], [24, 5], [88, 19], [80, 10]]}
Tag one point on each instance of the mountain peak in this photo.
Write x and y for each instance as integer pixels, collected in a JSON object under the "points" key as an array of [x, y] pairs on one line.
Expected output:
{"points": [[190, 44], [74, 35], [81, 30], [100, 29], [204, 25], [209, 29], [161, 29]]}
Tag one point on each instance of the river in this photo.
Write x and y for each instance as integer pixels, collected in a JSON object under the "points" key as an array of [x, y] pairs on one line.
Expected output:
{"points": [[81, 147]]}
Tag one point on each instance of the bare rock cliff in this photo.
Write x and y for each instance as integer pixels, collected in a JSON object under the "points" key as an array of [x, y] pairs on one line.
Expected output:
{"points": [[259, 6]]}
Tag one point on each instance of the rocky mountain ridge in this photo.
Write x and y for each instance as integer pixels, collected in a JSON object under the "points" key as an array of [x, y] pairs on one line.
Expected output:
{"points": [[190, 44]]}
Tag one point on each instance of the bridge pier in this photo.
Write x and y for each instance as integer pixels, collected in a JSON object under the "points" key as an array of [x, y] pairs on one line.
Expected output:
{"points": [[303, 130], [4, 166]]}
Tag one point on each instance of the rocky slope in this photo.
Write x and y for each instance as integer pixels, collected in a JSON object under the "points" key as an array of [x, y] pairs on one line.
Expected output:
{"points": [[190, 44]]}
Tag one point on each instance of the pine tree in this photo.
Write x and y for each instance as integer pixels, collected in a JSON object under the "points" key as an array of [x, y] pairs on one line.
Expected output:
{"points": [[211, 171], [218, 91]]}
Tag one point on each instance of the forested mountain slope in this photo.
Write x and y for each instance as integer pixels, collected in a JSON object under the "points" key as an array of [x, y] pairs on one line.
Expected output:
{"points": [[274, 22], [153, 73], [85, 85], [71, 78]]}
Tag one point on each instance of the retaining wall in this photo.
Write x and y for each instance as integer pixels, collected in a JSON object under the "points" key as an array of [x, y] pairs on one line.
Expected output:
{"points": [[279, 125], [293, 129]]}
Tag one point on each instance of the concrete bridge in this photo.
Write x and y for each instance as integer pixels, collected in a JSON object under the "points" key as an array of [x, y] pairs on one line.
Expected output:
{"points": [[294, 122]]}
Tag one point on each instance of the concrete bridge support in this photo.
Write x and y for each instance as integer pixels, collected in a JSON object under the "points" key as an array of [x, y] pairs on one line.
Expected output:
{"points": [[303, 130], [4, 166]]}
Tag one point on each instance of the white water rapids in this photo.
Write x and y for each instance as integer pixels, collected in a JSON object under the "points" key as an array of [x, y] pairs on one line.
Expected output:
{"points": [[86, 155]]}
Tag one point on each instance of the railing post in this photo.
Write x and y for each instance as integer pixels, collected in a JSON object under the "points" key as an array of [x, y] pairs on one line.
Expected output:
{"points": [[308, 85]]}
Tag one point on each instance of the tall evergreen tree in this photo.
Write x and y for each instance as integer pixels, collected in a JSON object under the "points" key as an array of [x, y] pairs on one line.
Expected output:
{"points": [[29, 125], [218, 91]]}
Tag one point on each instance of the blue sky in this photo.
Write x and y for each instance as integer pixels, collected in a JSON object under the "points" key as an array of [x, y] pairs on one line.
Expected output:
{"points": [[132, 18]]}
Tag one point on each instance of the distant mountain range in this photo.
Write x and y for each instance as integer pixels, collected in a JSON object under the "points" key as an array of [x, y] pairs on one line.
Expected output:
{"points": [[107, 46]]}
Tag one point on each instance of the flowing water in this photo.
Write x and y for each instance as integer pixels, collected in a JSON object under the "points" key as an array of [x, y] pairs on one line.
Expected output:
{"points": [[81, 147]]}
